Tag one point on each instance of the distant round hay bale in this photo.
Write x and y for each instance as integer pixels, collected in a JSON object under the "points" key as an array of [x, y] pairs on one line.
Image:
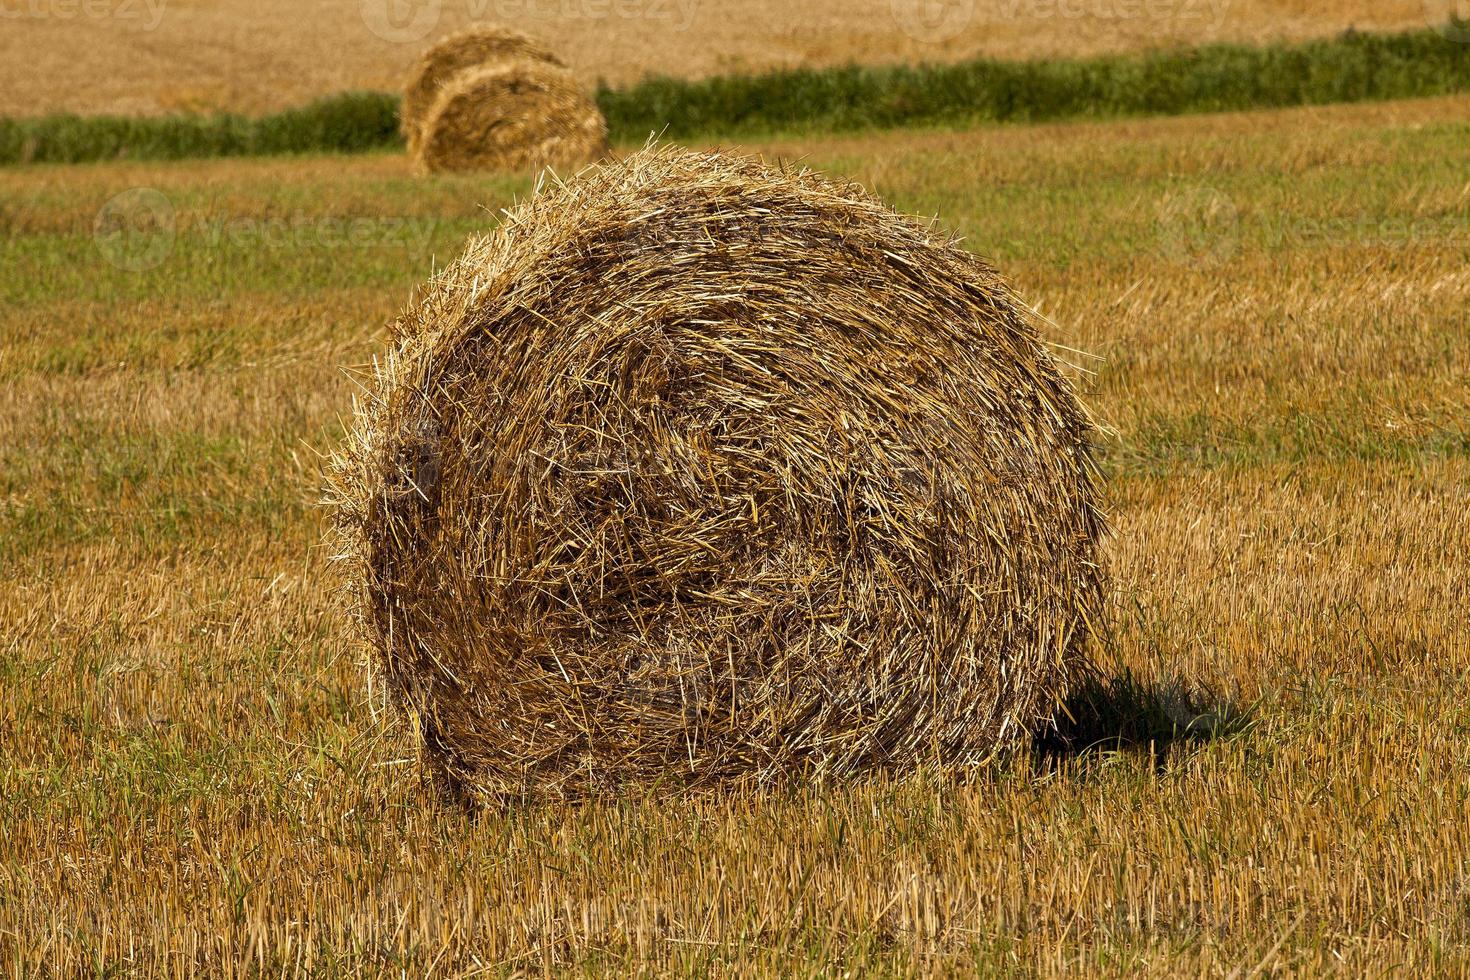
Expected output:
{"points": [[697, 471], [474, 47], [521, 115]]}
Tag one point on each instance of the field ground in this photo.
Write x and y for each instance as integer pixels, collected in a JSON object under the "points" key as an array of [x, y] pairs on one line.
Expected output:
{"points": [[198, 775], [163, 56]]}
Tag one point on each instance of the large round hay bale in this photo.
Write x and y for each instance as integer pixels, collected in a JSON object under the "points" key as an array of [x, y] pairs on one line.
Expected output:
{"points": [[520, 115], [698, 471], [474, 47]]}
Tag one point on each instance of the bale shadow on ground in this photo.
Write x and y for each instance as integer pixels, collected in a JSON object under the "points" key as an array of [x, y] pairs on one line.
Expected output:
{"points": [[1124, 713]]}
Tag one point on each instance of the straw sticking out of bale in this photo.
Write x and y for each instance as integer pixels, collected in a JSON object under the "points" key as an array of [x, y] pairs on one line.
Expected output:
{"points": [[473, 47], [698, 471], [520, 115]]}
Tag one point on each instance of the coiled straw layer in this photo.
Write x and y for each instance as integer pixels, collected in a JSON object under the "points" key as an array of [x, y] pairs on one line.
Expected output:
{"points": [[697, 471]]}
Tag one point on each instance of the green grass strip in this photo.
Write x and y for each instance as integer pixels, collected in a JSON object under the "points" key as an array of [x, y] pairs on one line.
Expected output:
{"points": [[352, 123], [1353, 67], [1350, 68]]}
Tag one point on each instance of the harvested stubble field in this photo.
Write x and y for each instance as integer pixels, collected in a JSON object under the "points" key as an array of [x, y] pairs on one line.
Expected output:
{"points": [[252, 56], [196, 777]]}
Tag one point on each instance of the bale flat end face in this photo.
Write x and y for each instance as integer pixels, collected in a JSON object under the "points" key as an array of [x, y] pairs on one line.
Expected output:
{"points": [[518, 115], [474, 47], [699, 472]]}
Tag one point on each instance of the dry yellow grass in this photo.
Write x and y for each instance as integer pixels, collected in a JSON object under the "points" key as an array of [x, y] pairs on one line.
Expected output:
{"points": [[151, 56], [194, 779]]}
